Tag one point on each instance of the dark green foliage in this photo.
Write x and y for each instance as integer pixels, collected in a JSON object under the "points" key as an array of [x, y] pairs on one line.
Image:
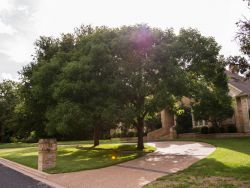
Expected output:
{"points": [[207, 85], [71, 83], [213, 129], [149, 73], [204, 130], [196, 130], [8, 102], [153, 122], [184, 121], [131, 134], [222, 129], [82, 84], [231, 128]]}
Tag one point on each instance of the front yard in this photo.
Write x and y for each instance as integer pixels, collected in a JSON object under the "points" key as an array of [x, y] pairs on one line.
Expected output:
{"points": [[71, 158], [228, 167]]}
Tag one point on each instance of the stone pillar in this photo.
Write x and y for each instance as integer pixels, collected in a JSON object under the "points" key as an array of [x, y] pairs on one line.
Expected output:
{"points": [[173, 132], [46, 154], [167, 119], [245, 113], [193, 119], [239, 115]]}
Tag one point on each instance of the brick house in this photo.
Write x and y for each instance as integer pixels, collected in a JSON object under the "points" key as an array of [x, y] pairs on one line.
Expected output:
{"points": [[239, 90]]}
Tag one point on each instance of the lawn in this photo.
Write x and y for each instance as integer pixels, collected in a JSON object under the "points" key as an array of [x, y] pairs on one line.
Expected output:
{"points": [[77, 142], [71, 158], [228, 167]]}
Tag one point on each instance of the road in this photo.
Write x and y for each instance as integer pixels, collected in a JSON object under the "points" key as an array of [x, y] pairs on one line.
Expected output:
{"points": [[12, 179]]}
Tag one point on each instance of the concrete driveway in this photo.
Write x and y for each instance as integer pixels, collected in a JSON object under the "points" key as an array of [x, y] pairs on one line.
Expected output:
{"points": [[169, 157]]}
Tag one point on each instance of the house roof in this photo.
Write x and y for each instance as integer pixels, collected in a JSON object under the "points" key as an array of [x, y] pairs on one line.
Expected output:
{"points": [[239, 82]]}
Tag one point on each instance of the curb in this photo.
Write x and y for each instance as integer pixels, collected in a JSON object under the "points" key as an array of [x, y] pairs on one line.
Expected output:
{"points": [[33, 173]]}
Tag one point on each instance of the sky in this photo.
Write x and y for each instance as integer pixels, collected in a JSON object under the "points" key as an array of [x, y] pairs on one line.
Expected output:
{"points": [[23, 21]]}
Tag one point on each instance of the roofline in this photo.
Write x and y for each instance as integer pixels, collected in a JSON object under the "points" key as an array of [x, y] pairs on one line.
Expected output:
{"points": [[243, 94], [234, 87]]}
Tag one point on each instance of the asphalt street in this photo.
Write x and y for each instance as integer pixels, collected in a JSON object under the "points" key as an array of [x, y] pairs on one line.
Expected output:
{"points": [[12, 179]]}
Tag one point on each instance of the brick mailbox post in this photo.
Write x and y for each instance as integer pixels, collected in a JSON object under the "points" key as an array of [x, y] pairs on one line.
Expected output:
{"points": [[46, 154]]}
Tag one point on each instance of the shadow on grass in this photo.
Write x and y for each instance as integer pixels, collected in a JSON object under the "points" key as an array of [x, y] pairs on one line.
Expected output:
{"points": [[237, 144], [73, 159], [206, 173]]}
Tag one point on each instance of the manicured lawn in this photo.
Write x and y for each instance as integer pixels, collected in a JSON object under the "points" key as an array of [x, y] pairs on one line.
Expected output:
{"points": [[70, 158], [22, 145], [228, 167]]}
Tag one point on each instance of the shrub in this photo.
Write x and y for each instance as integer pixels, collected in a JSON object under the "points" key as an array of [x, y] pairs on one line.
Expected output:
{"points": [[196, 130], [32, 138], [184, 121], [214, 129], [222, 130], [231, 128], [131, 134], [204, 130], [116, 135], [13, 139]]}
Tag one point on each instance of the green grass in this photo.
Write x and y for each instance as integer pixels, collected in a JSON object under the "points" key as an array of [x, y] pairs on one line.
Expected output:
{"points": [[70, 158], [228, 167], [22, 145]]}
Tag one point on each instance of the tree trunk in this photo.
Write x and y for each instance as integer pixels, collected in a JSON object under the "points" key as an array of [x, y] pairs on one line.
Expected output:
{"points": [[140, 126], [96, 136]]}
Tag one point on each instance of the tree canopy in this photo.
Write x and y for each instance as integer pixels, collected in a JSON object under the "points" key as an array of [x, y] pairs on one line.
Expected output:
{"points": [[84, 83]]}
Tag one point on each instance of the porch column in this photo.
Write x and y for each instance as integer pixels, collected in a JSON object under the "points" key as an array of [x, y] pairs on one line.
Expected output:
{"points": [[167, 119], [193, 119]]}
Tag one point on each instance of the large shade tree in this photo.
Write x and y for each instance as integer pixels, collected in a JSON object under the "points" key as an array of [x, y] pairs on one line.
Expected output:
{"points": [[96, 77], [149, 73], [70, 86], [86, 87]]}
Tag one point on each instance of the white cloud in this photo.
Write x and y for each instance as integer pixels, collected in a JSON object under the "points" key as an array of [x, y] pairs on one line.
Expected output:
{"points": [[6, 29], [212, 17], [21, 22], [5, 5], [7, 76]]}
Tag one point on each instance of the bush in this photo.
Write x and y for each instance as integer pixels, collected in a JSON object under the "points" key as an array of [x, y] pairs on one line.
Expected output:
{"points": [[214, 129], [116, 135], [222, 130], [32, 138], [131, 134], [204, 130], [231, 128], [196, 130], [13, 139], [184, 121]]}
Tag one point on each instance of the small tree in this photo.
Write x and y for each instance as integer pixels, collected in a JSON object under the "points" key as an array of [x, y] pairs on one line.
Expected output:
{"points": [[208, 87]]}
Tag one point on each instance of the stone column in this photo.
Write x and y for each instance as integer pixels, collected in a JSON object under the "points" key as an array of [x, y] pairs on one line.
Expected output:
{"points": [[193, 119], [46, 154], [167, 119], [173, 132]]}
